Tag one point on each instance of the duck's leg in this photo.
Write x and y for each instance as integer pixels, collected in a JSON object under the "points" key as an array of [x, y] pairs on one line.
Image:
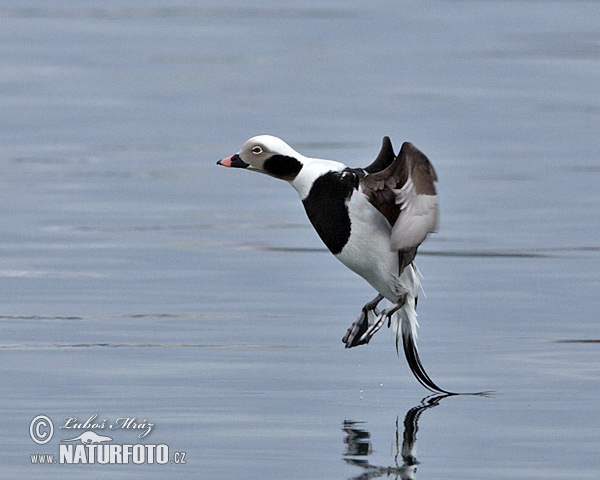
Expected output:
{"points": [[381, 318], [354, 335]]}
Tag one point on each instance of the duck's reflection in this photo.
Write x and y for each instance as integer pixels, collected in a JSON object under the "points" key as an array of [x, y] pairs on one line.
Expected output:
{"points": [[358, 445]]}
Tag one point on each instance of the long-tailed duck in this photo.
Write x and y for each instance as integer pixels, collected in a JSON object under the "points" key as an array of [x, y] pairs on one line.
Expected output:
{"points": [[372, 219]]}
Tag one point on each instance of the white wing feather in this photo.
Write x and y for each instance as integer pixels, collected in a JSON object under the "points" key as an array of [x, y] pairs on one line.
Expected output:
{"points": [[418, 217]]}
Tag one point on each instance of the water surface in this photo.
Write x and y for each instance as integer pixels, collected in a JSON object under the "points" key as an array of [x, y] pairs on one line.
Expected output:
{"points": [[137, 279]]}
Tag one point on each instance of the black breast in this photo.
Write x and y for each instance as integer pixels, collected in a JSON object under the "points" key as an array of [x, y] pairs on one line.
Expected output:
{"points": [[327, 209]]}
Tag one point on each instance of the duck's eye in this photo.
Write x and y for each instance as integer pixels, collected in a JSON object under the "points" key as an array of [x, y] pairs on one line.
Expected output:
{"points": [[256, 150]]}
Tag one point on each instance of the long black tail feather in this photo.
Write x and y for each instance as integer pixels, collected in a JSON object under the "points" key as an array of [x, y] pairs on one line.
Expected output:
{"points": [[414, 362]]}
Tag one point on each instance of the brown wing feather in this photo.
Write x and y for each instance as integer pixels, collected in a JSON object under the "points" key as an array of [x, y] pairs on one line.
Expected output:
{"points": [[405, 258], [379, 187], [384, 200], [421, 171], [384, 159]]}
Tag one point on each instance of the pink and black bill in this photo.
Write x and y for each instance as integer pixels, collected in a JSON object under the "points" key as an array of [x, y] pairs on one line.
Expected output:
{"points": [[235, 161]]}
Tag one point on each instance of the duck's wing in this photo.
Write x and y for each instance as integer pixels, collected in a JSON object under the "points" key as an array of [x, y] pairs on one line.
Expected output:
{"points": [[404, 192], [384, 159]]}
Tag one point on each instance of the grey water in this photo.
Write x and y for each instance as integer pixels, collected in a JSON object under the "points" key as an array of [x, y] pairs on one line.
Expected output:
{"points": [[142, 284]]}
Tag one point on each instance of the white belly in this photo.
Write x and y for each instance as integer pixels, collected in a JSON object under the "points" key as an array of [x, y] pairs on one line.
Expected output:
{"points": [[368, 252]]}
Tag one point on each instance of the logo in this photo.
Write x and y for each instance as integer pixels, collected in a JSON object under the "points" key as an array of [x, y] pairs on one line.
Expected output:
{"points": [[41, 429], [90, 438], [91, 447]]}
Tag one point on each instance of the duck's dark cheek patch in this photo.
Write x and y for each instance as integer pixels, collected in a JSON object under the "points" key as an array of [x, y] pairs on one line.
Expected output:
{"points": [[282, 166]]}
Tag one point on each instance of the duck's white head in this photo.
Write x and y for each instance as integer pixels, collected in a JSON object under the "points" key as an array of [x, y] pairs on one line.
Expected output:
{"points": [[269, 155]]}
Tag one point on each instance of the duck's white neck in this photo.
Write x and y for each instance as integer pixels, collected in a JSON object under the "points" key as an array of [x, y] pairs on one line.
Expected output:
{"points": [[313, 168]]}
